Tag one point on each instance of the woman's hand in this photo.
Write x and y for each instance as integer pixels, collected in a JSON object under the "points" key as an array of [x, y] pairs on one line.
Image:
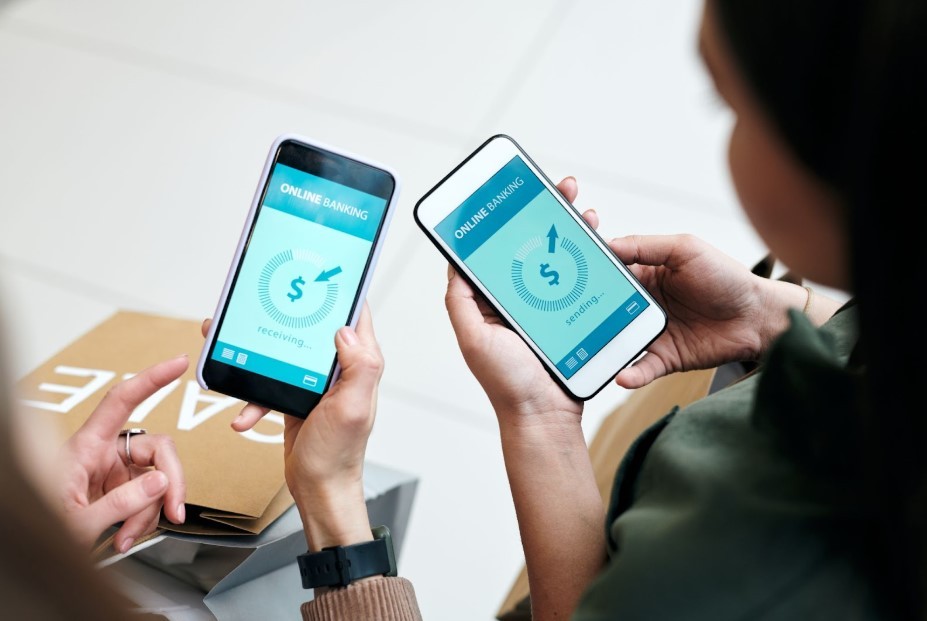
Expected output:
{"points": [[718, 311], [546, 458], [518, 385], [98, 488], [324, 454]]}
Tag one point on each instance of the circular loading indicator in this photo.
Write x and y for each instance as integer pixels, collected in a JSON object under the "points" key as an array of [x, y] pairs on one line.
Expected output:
{"points": [[535, 301], [289, 320]]}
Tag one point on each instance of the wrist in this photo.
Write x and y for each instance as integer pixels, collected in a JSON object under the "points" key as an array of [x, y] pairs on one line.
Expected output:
{"points": [[542, 430], [333, 516], [776, 298], [539, 412]]}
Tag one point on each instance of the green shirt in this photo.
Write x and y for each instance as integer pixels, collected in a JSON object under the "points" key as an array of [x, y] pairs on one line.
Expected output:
{"points": [[741, 506]]}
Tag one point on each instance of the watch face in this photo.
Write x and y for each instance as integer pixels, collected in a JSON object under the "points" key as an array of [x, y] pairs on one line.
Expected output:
{"points": [[382, 533]]}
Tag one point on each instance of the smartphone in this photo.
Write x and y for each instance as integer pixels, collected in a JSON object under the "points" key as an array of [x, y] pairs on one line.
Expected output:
{"points": [[300, 272], [507, 229]]}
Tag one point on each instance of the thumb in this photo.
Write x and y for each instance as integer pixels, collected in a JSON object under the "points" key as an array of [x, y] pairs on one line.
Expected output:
{"points": [[650, 249], [361, 365], [462, 308], [122, 503]]}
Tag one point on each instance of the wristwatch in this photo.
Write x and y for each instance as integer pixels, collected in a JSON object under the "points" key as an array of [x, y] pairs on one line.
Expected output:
{"points": [[341, 565]]}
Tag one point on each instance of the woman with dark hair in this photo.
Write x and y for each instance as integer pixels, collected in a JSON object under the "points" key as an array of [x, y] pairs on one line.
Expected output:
{"points": [[800, 491]]}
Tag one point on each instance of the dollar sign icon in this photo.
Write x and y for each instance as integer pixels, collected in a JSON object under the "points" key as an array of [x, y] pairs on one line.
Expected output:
{"points": [[549, 273], [297, 292]]}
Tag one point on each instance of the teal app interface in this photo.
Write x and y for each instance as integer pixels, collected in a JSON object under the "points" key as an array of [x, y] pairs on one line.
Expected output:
{"points": [[542, 267], [296, 285]]}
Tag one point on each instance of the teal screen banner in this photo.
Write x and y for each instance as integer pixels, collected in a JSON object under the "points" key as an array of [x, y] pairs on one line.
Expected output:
{"points": [[296, 286], [542, 267]]}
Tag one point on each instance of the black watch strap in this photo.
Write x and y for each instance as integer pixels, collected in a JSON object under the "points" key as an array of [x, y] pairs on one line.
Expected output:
{"points": [[341, 565]]}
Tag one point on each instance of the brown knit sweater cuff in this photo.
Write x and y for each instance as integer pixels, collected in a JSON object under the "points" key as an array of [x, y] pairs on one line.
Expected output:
{"points": [[384, 599]]}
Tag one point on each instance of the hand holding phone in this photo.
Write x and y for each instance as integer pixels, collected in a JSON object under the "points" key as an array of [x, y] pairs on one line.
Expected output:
{"points": [[538, 264], [507, 370], [300, 272]]}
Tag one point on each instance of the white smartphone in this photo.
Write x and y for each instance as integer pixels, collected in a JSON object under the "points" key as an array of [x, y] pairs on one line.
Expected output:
{"points": [[300, 272], [507, 229]]}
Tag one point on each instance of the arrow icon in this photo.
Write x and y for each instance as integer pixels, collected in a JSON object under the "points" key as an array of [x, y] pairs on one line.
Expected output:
{"points": [[552, 239], [324, 276]]}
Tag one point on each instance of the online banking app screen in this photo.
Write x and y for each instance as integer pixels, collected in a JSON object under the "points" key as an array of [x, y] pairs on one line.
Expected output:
{"points": [[297, 283], [558, 285]]}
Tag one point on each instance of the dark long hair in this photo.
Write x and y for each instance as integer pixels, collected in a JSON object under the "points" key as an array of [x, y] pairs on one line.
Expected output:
{"points": [[845, 84]]}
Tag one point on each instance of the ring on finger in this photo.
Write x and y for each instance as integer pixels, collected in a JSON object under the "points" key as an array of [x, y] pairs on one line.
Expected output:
{"points": [[128, 433]]}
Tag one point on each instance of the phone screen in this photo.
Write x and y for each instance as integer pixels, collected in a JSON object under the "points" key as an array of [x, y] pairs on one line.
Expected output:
{"points": [[547, 273], [298, 281]]}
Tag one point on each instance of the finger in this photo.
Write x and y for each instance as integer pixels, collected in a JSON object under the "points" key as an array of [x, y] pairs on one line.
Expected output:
{"points": [[205, 327], [114, 410], [463, 309], [136, 527], [249, 416], [642, 372], [159, 451], [591, 218], [667, 250], [364, 330], [569, 188], [122, 503], [361, 367]]}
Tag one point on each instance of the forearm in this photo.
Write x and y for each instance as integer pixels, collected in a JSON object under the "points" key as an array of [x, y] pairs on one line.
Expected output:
{"points": [[560, 513]]}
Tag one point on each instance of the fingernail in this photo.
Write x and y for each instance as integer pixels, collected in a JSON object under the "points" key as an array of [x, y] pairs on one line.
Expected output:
{"points": [[126, 545], [349, 336], [238, 419], [183, 356], [154, 483], [182, 512]]}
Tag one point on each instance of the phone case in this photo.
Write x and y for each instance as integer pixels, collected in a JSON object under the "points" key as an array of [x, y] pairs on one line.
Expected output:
{"points": [[249, 221]]}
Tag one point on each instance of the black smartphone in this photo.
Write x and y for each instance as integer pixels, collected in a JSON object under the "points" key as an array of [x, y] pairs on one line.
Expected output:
{"points": [[300, 272]]}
